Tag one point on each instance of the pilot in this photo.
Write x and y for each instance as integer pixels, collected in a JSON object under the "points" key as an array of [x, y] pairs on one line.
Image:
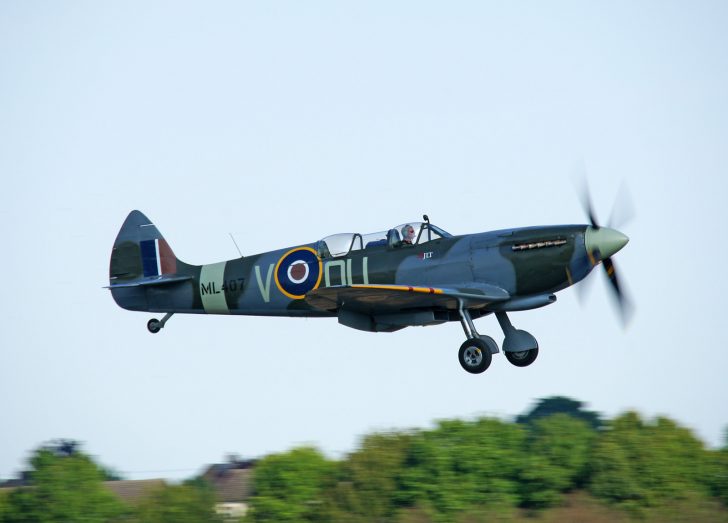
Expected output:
{"points": [[408, 235]]}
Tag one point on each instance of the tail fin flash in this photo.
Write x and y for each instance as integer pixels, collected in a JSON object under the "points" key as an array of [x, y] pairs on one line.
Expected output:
{"points": [[140, 252], [157, 258]]}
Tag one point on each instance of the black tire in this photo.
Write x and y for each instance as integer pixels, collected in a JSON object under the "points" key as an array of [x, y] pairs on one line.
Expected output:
{"points": [[154, 325], [523, 358], [475, 356]]}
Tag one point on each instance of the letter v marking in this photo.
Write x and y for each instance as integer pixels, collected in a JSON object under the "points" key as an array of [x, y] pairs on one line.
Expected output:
{"points": [[264, 290]]}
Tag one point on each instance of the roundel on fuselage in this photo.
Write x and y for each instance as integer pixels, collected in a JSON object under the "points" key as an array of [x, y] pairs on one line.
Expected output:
{"points": [[297, 272]]}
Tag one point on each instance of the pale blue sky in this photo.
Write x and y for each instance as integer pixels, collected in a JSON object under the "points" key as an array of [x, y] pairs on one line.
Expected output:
{"points": [[282, 123]]}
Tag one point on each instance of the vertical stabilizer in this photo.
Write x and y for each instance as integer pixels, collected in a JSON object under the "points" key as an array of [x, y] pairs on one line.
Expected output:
{"points": [[144, 273], [140, 252]]}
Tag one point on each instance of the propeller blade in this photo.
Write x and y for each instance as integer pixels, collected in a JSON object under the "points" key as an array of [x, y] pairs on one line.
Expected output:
{"points": [[586, 204], [592, 217], [623, 209], [607, 240], [624, 304], [612, 275], [583, 289], [582, 188]]}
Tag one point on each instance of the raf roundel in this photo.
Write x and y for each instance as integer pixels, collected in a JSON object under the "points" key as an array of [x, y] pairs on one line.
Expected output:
{"points": [[298, 272]]}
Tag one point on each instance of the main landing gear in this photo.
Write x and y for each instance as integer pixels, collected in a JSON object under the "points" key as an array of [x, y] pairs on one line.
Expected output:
{"points": [[476, 354], [154, 325]]}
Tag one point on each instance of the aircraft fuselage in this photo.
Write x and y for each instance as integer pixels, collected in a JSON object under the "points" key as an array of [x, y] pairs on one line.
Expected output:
{"points": [[524, 261]]}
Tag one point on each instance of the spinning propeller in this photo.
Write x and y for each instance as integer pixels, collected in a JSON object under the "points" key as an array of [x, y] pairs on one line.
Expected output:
{"points": [[603, 242]]}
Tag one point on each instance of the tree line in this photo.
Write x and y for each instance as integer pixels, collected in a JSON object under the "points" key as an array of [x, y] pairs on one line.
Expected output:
{"points": [[490, 466], [65, 485], [460, 470]]}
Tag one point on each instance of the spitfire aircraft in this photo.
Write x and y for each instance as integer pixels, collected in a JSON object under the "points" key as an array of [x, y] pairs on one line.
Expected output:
{"points": [[414, 274]]}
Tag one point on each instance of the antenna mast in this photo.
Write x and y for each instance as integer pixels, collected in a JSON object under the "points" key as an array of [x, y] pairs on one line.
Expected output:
{"points": [[236, 244]]}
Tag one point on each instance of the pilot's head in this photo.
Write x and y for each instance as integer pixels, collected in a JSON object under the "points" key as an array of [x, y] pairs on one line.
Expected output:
{"points": [[408, 233]]}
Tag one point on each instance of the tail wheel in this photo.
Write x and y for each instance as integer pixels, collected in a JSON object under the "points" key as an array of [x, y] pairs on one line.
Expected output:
{"points": [[475, 356], [522, 358], [154, 325]]}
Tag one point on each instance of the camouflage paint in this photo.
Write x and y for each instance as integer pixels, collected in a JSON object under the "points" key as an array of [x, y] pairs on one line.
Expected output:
{"points": [[524, 262]]}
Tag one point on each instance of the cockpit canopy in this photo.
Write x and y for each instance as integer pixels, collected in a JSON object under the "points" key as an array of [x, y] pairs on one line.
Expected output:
{"points": [[345, 243]]}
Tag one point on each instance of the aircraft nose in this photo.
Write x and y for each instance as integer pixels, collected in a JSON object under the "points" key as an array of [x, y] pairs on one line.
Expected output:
{"points": [[607, 241]]}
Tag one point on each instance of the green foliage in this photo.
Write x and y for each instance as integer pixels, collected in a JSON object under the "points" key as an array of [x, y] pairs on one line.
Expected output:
{"points": [[460, 471], [716, 477], [188, 503], [66, 486], [560, 405], [463, 464], [370, 480], [484, 469], [555, 459], [4, 507], [289, 486], [638, 464]]}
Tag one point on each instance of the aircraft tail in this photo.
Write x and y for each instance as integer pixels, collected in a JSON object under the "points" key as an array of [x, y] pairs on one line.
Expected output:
{"points": [[141, 259]]}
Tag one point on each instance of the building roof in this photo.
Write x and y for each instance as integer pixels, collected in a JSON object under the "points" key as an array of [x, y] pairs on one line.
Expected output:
{"points": [[232, 482], [133, 491]]}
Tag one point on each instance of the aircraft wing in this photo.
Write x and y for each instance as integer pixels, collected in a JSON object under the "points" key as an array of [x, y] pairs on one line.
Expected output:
{"points": [[384, 298]]}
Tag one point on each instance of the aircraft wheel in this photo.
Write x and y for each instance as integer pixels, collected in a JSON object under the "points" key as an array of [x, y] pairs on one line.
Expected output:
{"points": [[474, 356], [523, 358], [154, 325]]}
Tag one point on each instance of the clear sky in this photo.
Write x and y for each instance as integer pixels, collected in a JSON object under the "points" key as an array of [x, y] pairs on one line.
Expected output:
{"points": [[283, 122]]}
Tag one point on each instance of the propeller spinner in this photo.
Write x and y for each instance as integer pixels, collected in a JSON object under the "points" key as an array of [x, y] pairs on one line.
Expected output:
{"points": [[601, 244]]}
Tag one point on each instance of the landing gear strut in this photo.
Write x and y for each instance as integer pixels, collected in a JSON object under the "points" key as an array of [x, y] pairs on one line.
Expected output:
{"points": [[476, 353], [154, 325]]}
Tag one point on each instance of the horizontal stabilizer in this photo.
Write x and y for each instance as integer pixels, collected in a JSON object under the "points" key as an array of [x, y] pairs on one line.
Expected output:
{"points": [[159, 280]]}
